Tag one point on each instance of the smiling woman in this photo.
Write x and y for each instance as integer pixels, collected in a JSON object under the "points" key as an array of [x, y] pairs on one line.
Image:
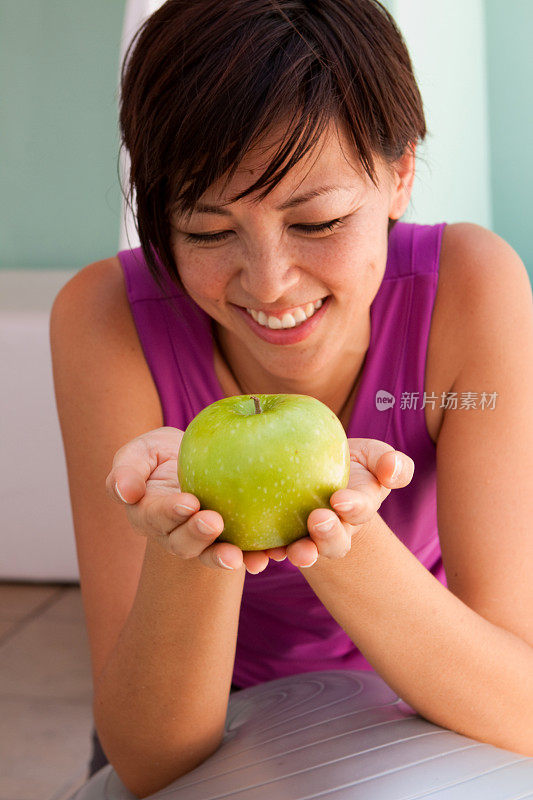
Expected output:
{"points": [[307, 241], [272, 147]]}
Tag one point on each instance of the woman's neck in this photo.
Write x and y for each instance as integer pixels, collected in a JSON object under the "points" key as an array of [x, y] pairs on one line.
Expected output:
{"points": [[337, 390]]}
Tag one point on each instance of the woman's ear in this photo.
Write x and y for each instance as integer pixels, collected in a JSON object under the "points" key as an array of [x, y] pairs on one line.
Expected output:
{"points": [[403, 175]]}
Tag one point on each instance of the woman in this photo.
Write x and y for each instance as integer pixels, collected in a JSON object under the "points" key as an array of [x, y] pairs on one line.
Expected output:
{"points": [[272, 148]]}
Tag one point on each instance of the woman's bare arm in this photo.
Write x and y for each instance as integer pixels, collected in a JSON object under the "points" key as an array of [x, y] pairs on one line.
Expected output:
{"points": [[462, 656], [162, 630], [161, 699]]}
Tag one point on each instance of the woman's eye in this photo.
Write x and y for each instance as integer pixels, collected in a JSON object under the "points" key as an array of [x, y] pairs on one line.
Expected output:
{"points": [[199, 238], [207, 238], [322, 226]]}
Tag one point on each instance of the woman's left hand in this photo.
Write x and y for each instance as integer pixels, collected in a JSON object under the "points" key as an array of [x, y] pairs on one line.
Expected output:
{"points": [[373, 475]]}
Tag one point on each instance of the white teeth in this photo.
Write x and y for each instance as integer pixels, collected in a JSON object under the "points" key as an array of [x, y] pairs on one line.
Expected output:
{"points": [[288, 320], [300, 315]]}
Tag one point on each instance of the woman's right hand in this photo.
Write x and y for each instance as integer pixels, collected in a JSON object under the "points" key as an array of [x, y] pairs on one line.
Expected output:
{"points": [[144, 478]]}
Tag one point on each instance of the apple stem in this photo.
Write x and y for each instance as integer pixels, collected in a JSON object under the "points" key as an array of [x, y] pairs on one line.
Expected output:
{"points": [[257, 404]]}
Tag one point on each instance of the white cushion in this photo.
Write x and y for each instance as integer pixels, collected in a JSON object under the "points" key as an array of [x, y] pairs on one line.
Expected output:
{"points": [[36, 533]]}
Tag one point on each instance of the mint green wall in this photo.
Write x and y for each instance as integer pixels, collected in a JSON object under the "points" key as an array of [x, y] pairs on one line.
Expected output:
{"points": [[60, 203], [452, 181], [476, 81], [509, 30], [59, 194]]}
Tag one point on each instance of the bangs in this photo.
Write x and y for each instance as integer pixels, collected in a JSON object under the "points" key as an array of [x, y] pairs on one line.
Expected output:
{"points": [[300, 138], [286, 90]]}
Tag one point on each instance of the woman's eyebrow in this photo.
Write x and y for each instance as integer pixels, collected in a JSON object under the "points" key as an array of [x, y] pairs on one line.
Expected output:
{"points": [[207, 208]]}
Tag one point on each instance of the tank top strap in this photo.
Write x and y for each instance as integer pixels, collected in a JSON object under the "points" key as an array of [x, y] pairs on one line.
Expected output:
{"points": [[177, 341], [414, 250], [140, 284], [419, 272], [395, 363]]}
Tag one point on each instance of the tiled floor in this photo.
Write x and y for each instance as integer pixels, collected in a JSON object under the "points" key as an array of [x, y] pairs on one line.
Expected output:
{"points": [[45, 691]]}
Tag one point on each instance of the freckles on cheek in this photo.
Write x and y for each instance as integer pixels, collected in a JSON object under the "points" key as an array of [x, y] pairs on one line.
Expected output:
{"points": [[207, 284], [196, 272]]}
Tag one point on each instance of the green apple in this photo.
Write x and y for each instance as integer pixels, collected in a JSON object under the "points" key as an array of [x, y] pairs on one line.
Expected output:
{"points": [[264, 462]]}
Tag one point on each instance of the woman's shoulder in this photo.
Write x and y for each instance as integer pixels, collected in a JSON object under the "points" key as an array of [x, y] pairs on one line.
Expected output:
{"points": [[474, 253], [475, 267], [97, 292], [485, 283], [461, 243], [99, 278], [103, 275], [93, 313]]}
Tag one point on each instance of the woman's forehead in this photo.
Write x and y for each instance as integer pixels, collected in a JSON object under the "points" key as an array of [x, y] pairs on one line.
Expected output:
{"points": [[331, 161]]}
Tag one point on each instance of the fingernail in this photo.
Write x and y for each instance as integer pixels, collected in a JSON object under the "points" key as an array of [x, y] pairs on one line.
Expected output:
{"points": [[397, 467], [327, 525], [181, 507], [117, 490], [304, 566], [205, 527], [223, 563], [343, 506]]}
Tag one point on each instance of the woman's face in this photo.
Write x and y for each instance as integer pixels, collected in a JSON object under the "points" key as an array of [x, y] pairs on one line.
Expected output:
{"points": [[321, 232]]}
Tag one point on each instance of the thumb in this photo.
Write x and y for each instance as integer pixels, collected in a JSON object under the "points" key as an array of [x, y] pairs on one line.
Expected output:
{"points": [[396, 469], [135, 461], [125, 485], [392, 468]]}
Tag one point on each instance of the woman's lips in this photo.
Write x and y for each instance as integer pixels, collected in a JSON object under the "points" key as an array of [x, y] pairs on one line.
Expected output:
{"points": [[286, 335]]}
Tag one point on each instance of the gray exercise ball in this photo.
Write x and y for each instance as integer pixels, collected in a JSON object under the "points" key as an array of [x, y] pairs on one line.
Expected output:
{"points": [[339, 734]]}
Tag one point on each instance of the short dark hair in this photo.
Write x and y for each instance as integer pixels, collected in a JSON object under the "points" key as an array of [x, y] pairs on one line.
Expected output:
{"points": [[202, 82]]}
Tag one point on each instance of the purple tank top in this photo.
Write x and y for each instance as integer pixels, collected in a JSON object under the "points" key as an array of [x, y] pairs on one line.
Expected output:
{"points": [[283, 627]]}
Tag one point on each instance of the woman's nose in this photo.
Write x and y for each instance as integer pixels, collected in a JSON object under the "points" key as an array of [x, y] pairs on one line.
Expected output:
{"points": [[269, 275]]}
